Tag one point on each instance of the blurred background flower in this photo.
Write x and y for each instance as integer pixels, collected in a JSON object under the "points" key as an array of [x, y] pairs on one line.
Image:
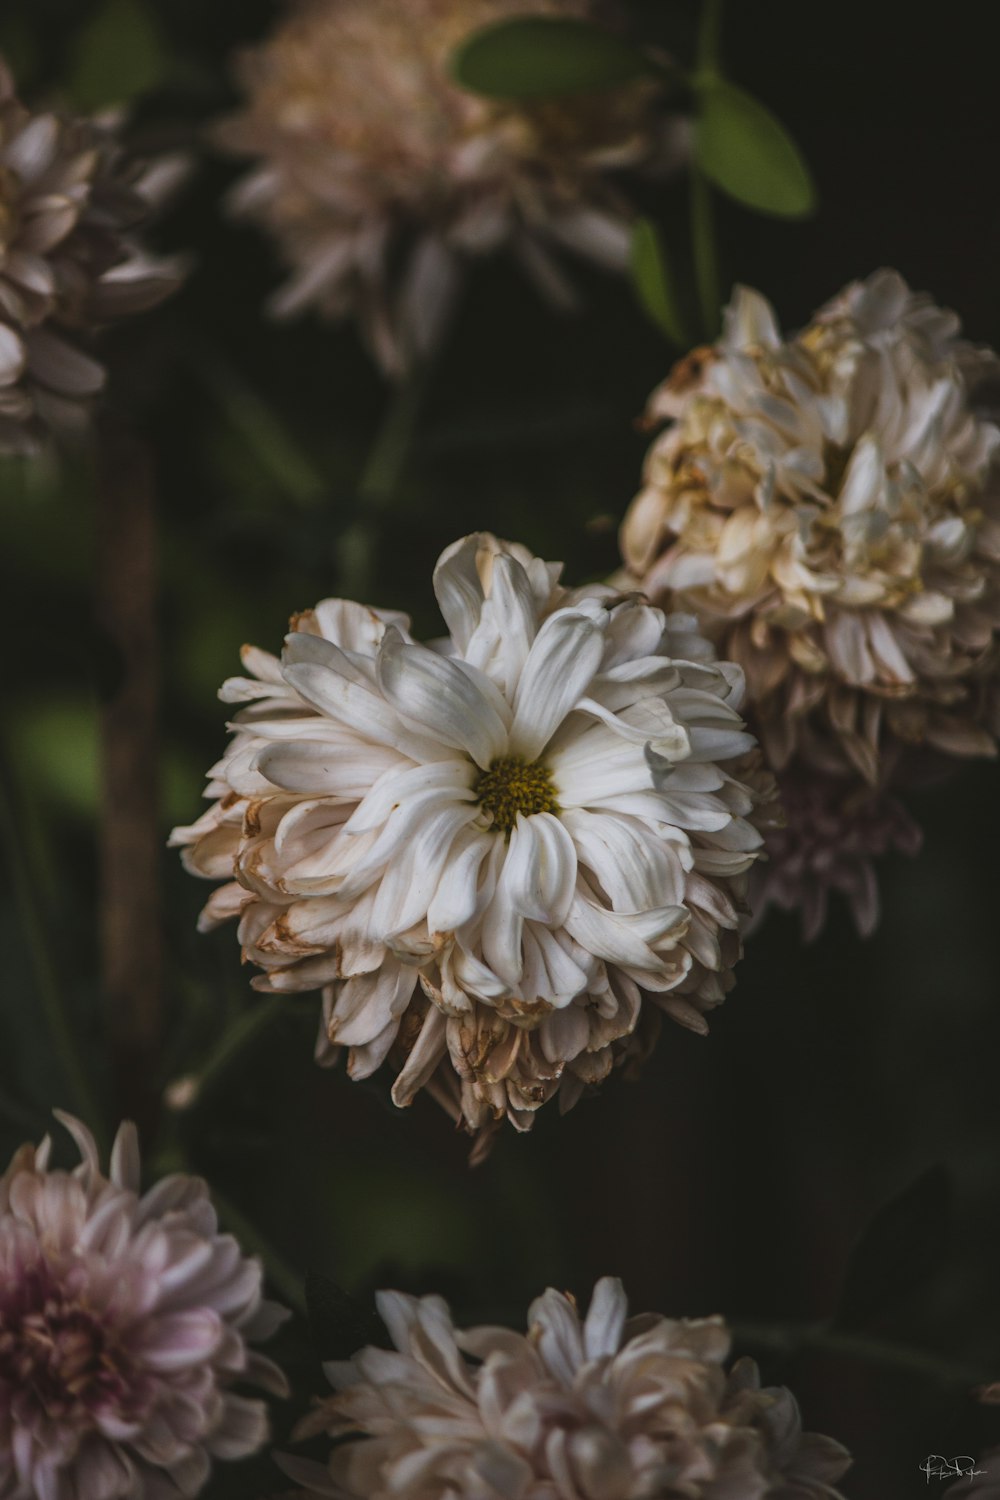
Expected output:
{"points": [[378, 175], [71, 199]]}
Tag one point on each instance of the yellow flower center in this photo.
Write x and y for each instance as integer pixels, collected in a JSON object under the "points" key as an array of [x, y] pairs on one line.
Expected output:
{"points": [[511, 786]]}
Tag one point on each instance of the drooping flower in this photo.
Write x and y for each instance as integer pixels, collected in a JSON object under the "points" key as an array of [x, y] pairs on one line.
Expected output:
{"points": [[379, 176], [125, 1324], [70, 200], [492, 856], [605, 1408], [833, 832], [827, 505]]}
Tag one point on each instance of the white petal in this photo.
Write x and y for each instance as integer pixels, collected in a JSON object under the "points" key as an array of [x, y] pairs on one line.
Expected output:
{"points": [[561, 664], [540, 869], [441, 698]]}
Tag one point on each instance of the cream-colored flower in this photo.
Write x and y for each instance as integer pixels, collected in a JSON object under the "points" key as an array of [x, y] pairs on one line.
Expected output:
{"points": [[489, 856], [126, 1321], [603, 1408], [827, 505], [69, 201], [379, 176]]}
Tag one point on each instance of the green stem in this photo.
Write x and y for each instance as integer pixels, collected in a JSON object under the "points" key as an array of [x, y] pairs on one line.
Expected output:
{"points": [[285, 1280], [788, 1339], [709, 36], [380, 481], [25, 887], [704, 245], [232, 1044], [705, 252]]}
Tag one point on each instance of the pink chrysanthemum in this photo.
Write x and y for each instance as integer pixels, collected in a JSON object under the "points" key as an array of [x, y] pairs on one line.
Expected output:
{"points": [[125, 1321]]}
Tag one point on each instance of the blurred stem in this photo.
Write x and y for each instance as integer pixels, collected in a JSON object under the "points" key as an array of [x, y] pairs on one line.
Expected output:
{"points": [[706, 262], [380, 481], [284, 1278], [820, 1338], [26, 891], [704, 245], [129, 834], [709, 36], [233, 1043]]}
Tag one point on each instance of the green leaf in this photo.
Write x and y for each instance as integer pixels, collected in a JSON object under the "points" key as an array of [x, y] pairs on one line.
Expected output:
{"points": [[748, 153], [119, 55], [904, 1244], [536, 57], [653, 280]]}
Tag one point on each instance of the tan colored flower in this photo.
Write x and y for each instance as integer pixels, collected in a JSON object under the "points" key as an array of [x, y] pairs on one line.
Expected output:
{"points": [[126, 1325], [378, 175], [69, 202], [601, 1408], [827, 505], [491, 857]]}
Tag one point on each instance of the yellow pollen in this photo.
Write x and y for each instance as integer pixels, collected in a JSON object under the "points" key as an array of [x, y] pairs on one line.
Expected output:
{"points": [[510, 786]]}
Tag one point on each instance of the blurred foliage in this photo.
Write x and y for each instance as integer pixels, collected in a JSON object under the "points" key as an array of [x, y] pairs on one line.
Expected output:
{"points": [[745, 151], [542, 57], [737, 1174]]}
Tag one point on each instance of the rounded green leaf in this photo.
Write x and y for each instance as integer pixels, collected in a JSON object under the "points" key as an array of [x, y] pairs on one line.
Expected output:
{"points": [[653, 280], [749, 154], [535, 57], [119, 55]]}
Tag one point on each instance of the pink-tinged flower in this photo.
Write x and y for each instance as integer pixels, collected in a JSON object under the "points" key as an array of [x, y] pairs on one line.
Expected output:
{"points": [[494, 856], [125, 1324], [379, 177], [70, 201], [601, 1408], [828, 506], [834, 831]]}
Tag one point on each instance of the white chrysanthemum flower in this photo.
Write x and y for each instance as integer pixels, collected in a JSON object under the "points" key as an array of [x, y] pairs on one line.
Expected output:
{"points": [[68, 201], [605, 1408], [125, 1321], [827, 505], [491, 854], [379, 176]]}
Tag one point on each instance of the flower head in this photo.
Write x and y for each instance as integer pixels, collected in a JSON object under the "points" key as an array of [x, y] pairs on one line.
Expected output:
{"points": [[378, 175], [606, 1408], [490, 856], [827, 505], [69, 200], [124, 1322], [833, 832]]}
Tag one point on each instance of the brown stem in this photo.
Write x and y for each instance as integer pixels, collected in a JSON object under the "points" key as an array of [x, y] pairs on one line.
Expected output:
{"points": [[129, 837]]}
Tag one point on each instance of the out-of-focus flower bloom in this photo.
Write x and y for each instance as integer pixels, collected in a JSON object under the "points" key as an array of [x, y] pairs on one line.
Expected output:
{"points": [[606, 1408], [833, 832], [489, 853], [827, 505], [125, 1321], [378, 175], [69, 201]]}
